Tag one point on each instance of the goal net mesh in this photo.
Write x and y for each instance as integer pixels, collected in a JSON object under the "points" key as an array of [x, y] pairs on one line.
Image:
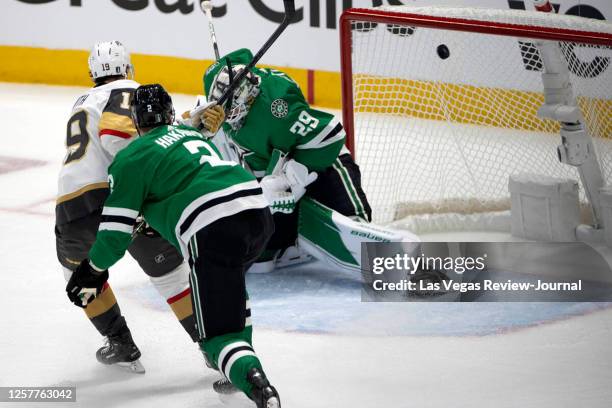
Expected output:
{"points": [[442, 118]]}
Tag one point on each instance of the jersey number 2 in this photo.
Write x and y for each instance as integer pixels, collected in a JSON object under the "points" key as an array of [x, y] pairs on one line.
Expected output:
{"points": [[77, 137], [213, 159]]}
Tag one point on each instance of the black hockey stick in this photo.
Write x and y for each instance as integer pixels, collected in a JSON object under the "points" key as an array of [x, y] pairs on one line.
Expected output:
{"points": [[230, 95], [289, 15]]}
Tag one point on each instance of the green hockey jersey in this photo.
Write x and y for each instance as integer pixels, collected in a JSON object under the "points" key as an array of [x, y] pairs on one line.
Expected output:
{"points": [[280, 118], [178, 182]]}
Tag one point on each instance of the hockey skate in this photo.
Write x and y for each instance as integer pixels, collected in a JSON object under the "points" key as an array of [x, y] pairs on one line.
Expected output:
{"points": [[121, 351], [290, 256], [263, 394], [294, 255]]}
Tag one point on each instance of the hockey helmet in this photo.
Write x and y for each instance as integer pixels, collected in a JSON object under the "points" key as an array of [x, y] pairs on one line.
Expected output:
{"points": [[217, 79], [243, 95], [109, 59], [152, 107]]}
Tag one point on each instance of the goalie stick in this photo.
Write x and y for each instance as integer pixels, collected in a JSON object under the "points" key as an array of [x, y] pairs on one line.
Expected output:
{"points": [[288, 19]]}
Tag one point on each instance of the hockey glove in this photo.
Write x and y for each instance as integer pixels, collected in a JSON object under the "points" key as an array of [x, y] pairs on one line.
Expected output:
{"points": [[276, 194], [189, 118], [206, 116], [212, 118], [85, 284], [298, 178]]}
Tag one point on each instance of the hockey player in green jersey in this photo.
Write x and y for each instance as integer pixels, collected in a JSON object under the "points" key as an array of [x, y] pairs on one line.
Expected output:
{"points": [[288, 144], [212, 210]]}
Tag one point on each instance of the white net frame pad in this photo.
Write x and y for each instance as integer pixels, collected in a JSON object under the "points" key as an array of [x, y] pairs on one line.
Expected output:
{"points": [[440, 106]]}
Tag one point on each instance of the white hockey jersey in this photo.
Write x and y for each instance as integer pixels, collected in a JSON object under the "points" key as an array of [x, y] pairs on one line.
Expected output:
{"points": [[99, 126]]}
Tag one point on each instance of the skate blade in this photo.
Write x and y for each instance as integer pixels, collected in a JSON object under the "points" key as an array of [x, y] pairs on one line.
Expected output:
{"points": [[135, 367]]}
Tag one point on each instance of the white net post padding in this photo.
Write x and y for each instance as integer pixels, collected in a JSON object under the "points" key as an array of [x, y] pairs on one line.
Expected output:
{"points": [[442, 116]]}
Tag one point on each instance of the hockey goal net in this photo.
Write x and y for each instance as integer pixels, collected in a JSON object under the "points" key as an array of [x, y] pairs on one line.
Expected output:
{"points": [[440, 105]]}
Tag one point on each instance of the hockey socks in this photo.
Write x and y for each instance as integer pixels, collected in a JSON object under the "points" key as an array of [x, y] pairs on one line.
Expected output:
{"points": [[233, 355]]}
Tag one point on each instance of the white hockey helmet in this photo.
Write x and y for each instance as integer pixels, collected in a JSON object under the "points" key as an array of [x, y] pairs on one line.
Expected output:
{"points": [[243, 96], [109, 58]]}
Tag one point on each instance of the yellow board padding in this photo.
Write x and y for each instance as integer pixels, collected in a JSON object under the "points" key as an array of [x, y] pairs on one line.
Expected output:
{"points": [[327, 89], [504, 108], [177, 75], [101, 304], [44, 66]]}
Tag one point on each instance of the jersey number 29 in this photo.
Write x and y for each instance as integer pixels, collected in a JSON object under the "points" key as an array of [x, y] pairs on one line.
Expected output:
{"points": [[305, 124]]}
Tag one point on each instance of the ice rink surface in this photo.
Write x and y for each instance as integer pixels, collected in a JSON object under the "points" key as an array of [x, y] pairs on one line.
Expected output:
{"points": [[321, 346]]}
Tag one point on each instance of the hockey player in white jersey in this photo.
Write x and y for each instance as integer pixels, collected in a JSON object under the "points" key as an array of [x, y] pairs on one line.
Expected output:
{"points": [[99, 126]]}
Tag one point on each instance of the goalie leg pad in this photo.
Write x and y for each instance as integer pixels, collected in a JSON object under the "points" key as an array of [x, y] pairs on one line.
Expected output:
{"points": [[336, 239]]}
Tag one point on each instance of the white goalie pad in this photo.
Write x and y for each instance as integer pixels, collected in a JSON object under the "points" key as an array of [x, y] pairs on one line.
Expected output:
{"points": [[336, 240], [544, 208]]}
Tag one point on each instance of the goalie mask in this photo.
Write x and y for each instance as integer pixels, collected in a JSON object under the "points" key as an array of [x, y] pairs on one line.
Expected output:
{"points": [[243, 96], [152, 107], [108, 59]]}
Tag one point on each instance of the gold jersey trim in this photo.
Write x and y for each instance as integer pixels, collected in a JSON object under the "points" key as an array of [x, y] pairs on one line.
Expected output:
{"points": [[81, 191]]}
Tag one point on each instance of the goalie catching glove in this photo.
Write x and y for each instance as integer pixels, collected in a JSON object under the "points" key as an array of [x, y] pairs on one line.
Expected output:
{"points": [[85, 284], [206, 116], [286, 185]]}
